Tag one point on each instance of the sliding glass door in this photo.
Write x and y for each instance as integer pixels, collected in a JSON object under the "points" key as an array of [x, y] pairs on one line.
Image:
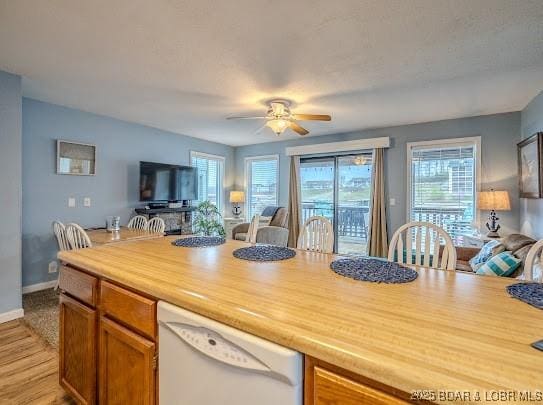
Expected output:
{"points": [[339, 188]]}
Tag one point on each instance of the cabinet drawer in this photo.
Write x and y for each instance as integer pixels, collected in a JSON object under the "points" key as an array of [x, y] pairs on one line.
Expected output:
{"points": [[131, 309], [79, 285], [327, 384], [334, 388]]}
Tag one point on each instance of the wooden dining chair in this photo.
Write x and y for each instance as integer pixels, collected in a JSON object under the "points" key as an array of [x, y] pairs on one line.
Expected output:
{"points": [[137, 222], [317, 235], [429, 255], [59, 230], [156, 224], [77, 237], [534, 257], [253, 229], [60, 234]]}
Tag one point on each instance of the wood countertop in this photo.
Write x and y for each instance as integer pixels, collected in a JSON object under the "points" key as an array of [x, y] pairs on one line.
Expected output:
{"points": [[444, 331], [102, 236]]}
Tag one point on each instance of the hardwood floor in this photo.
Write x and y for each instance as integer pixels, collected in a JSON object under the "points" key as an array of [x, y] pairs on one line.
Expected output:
{"points": [[28, 368]]}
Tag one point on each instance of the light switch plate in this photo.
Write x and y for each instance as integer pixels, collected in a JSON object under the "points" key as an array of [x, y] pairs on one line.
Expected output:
{"points": [[87, 202], [71, 202], [392, 202]]}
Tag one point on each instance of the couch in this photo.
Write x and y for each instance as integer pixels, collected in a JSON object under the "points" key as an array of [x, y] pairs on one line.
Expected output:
{"points": [[516, 243], [276, 233]]}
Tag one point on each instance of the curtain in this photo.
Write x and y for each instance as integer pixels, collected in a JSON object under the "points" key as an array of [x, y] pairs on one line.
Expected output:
{"points": [[378, 238], [294, 203]]}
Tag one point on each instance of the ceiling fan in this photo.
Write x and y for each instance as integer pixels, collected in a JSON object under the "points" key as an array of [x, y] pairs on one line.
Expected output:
{"points": [[279, 118]]}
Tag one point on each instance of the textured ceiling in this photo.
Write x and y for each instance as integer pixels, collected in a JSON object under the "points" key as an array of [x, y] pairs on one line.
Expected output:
{"points": [[184, 66]]}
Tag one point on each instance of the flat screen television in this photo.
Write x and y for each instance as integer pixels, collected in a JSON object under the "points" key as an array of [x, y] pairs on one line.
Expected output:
{"points": [[164, 182]]}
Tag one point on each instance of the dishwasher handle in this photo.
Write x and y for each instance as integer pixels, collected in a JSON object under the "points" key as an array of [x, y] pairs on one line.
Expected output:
{"points": [[213, 345]]}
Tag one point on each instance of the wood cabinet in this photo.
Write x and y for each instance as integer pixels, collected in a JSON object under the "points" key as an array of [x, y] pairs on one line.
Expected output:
{"points": [[77, 368], [326, 385], [127, 366], [107, 341]]}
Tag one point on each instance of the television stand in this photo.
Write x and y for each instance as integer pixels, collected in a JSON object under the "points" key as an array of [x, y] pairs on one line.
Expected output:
{"points": [[178, 220]]}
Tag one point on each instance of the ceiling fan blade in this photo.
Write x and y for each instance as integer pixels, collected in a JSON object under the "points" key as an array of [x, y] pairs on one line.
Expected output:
{"points": [[296, 128], [260, 129], [246, 118], [311, 117]]}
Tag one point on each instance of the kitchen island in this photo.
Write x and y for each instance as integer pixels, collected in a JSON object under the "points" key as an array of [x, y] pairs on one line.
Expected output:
{"points": [[445, 334]]}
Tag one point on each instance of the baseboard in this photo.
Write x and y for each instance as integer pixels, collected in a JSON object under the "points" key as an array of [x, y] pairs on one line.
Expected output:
{"points": [[40, 286], [11, 315]]}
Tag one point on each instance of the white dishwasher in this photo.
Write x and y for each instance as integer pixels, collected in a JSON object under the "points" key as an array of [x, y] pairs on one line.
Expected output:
{"points": [[204, 362]]}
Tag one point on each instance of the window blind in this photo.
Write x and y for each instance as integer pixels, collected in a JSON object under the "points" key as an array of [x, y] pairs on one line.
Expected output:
{"points": [[210, 179], [443, 186], [262, 180]]}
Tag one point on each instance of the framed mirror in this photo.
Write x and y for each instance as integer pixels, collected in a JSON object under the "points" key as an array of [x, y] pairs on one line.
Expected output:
{"points": [[76, 158]]}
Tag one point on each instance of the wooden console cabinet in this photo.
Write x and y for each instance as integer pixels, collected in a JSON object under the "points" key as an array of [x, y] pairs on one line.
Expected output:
{"points": [[108, 351]]}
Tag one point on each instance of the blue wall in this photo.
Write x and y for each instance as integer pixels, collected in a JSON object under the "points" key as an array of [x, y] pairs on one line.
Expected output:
{"points": [[10, 192], [114, 189], [531, 210], [499, 134]]}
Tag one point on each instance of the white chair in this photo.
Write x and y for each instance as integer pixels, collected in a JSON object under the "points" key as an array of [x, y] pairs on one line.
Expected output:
{"points": [[137, 222], [156, 224], [535, 252], [62, 240], [430, 256], [253, 229], [60, 233], [317, 235], [77, 237]]}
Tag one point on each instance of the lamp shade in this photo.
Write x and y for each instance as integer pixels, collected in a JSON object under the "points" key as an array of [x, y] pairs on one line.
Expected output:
{"points": [[237, 196], [494, 200]]}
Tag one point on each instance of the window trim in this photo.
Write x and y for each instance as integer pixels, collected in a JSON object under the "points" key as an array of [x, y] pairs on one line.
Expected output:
{"points": [[249, 159], [222, 159], [471, 141]]}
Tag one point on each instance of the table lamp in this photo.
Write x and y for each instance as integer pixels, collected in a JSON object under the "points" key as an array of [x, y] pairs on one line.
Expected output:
{"points": [[237, 197], [493, 201]]}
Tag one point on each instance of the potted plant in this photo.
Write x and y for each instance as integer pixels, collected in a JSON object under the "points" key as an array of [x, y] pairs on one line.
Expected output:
{"points": [[207, 220]]}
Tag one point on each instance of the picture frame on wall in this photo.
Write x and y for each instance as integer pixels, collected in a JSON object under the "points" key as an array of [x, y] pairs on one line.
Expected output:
{"points": [[530, 166], [74, 158]]}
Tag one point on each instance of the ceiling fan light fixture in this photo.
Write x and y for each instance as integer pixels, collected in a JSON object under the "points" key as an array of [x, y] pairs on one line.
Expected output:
{"points": [[277, 125]]}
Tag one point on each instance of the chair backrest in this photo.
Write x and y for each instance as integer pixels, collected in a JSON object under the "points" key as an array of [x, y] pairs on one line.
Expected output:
{"points": [[317, 235], [77, 237], [427, 246], [60, 233], [137, 222], [253, 229], [156, 224], [535, 252], [280, 218]]}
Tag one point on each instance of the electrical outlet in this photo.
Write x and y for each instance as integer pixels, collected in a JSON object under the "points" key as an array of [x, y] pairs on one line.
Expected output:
{"points": [[86, 202], [71, 202], [392, 202], [53, 267]]}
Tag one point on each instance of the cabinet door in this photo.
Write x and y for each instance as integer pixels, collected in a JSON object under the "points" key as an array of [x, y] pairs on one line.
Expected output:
{"points": [[327, 385], [126, 366], [77, 368]]}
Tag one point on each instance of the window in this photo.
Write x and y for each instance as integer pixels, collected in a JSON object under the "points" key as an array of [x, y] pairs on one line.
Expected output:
{"points": [[339, 188], [210, 178], [261, 176], [442, 179]]}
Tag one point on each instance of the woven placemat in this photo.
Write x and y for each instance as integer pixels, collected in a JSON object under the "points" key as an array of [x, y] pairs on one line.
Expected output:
{"points": [[264, 253], [530, 293], [199, 241], [373, 270]]}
